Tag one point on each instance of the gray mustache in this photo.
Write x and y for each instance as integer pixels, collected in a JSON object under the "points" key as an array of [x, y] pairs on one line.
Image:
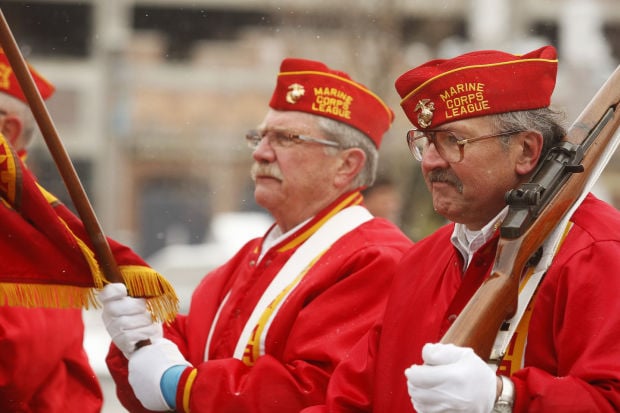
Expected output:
{"points": [[268, 169], [443, 175]]}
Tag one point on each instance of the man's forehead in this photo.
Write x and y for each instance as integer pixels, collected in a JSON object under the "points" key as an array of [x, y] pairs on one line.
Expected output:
{"points": [[470, 125], [288, 119]]}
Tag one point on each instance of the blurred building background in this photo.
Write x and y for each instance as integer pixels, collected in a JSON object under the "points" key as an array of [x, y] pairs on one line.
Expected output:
{"points": [[154, 96]]}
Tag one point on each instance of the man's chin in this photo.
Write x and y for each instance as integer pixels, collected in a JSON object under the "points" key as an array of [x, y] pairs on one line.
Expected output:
{"points": [[265, 197], [445, 189], [442, 205]]}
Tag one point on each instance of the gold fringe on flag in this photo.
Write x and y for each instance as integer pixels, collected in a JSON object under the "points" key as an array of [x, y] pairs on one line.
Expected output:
{"points": [[47, 295], [27, 206], [161, 299], [143, 282]]}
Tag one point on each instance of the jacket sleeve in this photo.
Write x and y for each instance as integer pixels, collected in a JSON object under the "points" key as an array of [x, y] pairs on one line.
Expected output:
{"points": [[576, 338], [118, 367], [350, 389]]}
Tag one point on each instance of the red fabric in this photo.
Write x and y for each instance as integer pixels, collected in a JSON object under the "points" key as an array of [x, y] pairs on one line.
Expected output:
{"points": [[32, 229], [341, 296], [38, 239], [44, 368], [572, 360], [10, 85], [477, 84], [311, 86]]}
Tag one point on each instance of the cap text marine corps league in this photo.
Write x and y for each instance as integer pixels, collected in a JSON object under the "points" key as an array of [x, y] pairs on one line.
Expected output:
{"points": [[477, 84], [310, 86]]}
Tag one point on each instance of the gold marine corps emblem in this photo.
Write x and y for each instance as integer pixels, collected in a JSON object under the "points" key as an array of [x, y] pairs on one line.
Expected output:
{"points": [[295, 92], [426, 108]]}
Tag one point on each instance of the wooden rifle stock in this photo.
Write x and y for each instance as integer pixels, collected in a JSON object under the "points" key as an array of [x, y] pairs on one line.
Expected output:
{"points": [[496, 299]]}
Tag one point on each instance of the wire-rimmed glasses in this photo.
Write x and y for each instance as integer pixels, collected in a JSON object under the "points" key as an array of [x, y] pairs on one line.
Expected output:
{"points": [[283, 139], [449, 146]]}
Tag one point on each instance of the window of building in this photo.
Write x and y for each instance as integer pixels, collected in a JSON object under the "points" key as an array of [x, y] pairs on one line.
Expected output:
{"points": [[45, 29], [183, 26]]}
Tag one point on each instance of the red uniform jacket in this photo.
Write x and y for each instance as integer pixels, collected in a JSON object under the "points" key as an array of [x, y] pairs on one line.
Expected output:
{"points": [[43, 366], [337, 301], [572, 358]]}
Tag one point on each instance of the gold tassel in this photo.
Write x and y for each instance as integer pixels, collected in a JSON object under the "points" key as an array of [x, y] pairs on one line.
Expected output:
{"points": [[162, 300], [47, 296]]}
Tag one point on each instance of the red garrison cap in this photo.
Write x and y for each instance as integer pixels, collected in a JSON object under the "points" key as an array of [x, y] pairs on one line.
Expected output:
{"points": [[10, 85], [477, 84], [310, 86]]}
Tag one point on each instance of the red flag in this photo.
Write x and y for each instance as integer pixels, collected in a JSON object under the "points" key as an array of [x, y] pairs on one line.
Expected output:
{"points": [[46, 256]]}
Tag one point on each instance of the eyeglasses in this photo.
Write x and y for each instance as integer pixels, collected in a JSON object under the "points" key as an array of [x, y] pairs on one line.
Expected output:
{"points": [[283, 139], [449, 146]]}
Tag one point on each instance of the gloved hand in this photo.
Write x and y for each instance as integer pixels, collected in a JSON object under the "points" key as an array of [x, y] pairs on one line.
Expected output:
{"points": [[452, 379], [146, 368], [126, 318]]}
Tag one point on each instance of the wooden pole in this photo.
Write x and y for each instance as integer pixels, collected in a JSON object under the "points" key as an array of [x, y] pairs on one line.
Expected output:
{"points": [[59, 154]]}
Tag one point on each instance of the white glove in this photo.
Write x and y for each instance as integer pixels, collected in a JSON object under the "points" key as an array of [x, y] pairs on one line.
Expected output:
{"points": [[146, 367], [452, 379], [126, 318]]}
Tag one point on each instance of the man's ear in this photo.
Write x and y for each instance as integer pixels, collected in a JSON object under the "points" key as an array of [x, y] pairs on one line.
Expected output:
{"points": [[352, 162], [529, 151], [12, 129]]}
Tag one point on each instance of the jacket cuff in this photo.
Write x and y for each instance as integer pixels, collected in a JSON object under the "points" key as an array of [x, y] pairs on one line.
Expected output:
{"points": [[184, 389]]}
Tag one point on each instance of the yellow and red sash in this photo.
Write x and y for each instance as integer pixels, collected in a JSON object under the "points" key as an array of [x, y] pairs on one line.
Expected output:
{"points": [[509, 347], [251, 343]]}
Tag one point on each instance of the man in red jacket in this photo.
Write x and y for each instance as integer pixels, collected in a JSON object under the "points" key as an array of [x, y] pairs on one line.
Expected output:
{"points": [[43, 365], [266, 329], [482, 125], [48, 274]]}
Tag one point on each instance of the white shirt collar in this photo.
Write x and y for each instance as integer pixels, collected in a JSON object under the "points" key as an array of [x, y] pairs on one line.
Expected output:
{"points": [[274, 237], [467, 242]]}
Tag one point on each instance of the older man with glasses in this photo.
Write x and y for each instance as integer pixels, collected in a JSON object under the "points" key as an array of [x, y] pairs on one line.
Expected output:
{"points": [[562, 355], [265, 330]]}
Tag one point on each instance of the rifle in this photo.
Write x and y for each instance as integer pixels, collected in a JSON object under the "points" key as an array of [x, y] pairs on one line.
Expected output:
{"points": [[535, 209]]}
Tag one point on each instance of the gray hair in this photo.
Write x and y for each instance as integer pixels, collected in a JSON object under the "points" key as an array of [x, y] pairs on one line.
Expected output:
{"points": [[548, 122], [16, 107], [350, 137]]}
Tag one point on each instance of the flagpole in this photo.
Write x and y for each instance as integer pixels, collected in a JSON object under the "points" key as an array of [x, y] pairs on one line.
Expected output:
{"points": [[101, 247]]}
